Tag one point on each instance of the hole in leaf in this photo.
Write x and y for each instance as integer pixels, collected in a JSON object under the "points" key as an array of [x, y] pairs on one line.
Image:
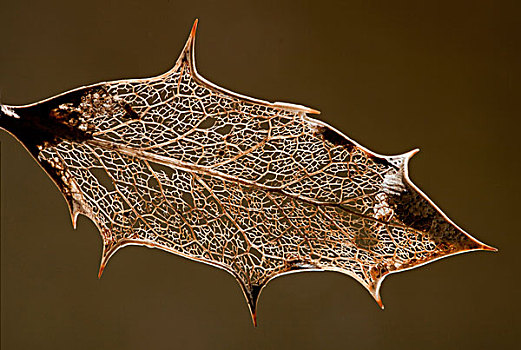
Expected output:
{"points": [[152, 183], [265, 125], [256, 253], [187, 197], [103, 178], [225, 129], [207, 123]]}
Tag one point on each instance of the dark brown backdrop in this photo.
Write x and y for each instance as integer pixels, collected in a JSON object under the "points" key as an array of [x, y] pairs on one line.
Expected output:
{"points": [[442, 76]]}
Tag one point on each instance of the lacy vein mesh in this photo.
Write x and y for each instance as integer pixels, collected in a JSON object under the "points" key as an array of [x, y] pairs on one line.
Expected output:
{"points": [[254, 189]]}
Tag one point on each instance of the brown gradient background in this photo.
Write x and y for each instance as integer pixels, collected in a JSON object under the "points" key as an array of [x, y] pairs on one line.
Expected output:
{"points": [[442, 76]]}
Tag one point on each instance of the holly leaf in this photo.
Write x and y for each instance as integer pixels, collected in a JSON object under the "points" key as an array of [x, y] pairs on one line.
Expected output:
{"points": [[256, 188]]}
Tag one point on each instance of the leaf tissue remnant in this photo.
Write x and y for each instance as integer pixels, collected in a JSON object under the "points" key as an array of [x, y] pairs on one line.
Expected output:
{"points": [[335, 138]]}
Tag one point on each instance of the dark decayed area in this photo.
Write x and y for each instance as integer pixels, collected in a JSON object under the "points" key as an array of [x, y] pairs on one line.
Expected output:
{"points": [[441, 76]]}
